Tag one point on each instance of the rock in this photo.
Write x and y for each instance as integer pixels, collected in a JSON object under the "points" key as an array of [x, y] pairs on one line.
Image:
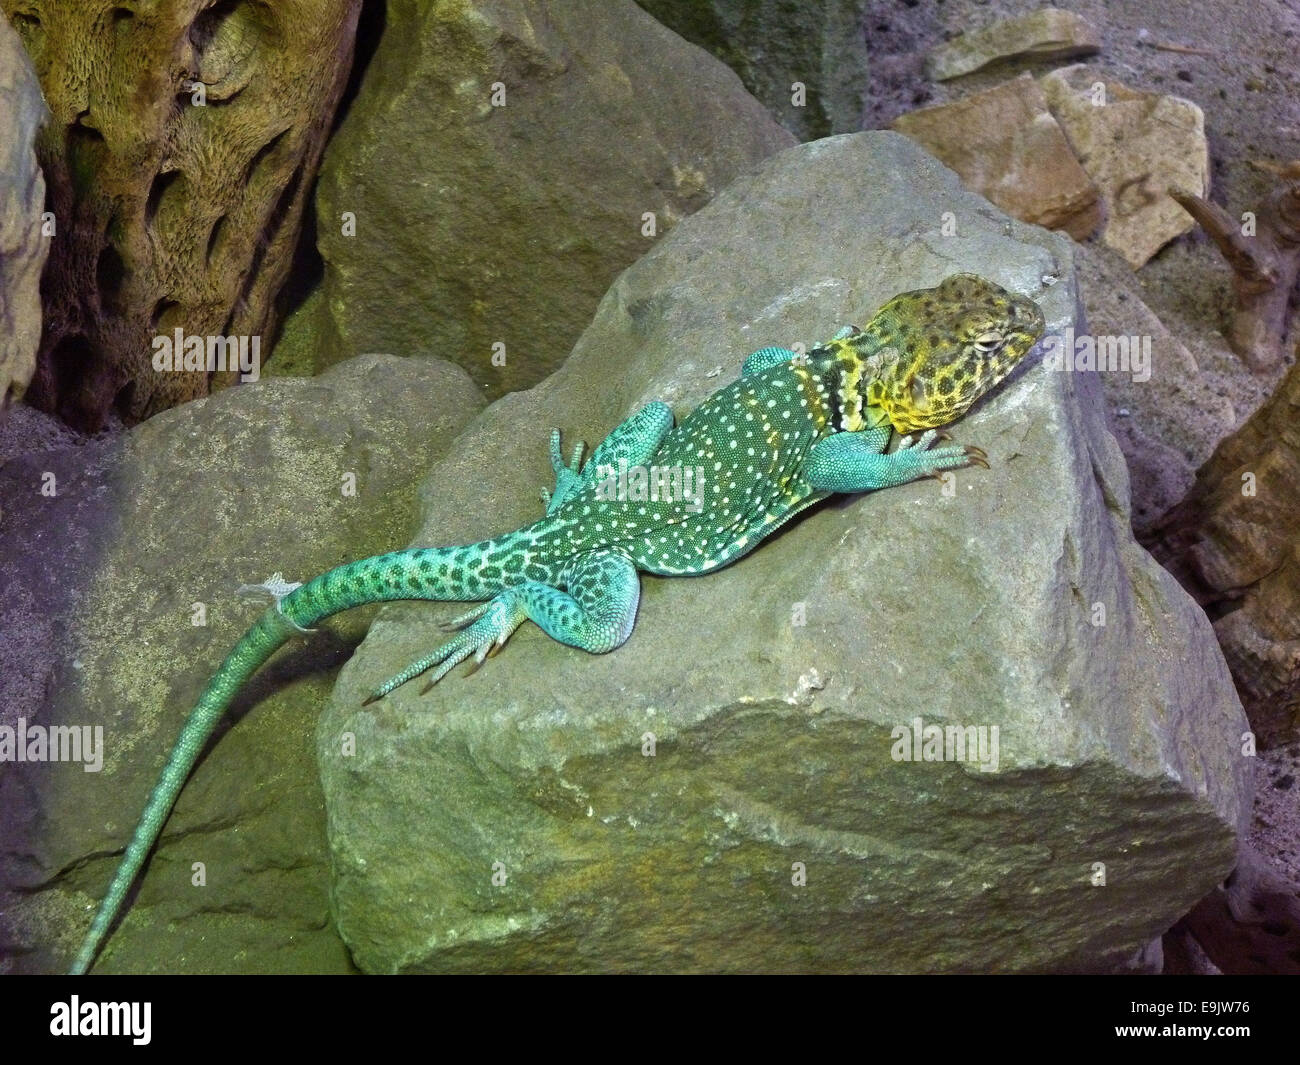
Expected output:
{"points": [[1134, 145], [819, 45], [1005, 145], [1232, 542], [513, 821], [1148, 960], [1172, 405], [486, 230], [1248, 927], [22, 199], [183, 145], [1046, 34], [1184, 956], [99, 586]]}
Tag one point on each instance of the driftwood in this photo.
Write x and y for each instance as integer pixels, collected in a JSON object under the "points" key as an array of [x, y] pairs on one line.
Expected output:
{"points": [[1264, 266], [183, 143]]}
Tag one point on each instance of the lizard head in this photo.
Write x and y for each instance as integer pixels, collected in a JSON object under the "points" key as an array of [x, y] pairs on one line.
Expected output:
{"points": [[932, 352]]}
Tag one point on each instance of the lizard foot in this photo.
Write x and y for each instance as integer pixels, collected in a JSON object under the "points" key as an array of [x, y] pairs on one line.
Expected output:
{"points": [[568, 478], [492, 624], [932, 462]]}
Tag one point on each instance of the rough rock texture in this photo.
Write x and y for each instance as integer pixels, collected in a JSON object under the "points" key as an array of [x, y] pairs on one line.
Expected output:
{"points": [[1148, 411], [1005, 145], [176, 207], [1134, 145], [480, 225], [22, 199], [772, 46], [1048, 33], [1120, 742], [97, 586], [1234, 543]]}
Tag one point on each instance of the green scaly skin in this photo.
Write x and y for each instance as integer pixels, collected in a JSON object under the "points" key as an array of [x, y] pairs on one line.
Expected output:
{"points": [[792, 430]]}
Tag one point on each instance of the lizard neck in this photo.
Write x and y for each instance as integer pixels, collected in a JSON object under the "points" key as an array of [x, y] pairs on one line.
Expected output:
{"points": [[851, 371]]}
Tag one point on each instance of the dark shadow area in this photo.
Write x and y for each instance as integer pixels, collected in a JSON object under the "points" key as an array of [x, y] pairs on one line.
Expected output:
{"points": [[308, 268]]}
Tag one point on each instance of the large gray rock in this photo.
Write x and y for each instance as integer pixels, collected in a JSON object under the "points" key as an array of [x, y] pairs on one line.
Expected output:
{"points": [[23, 248], [819, 44], [479, 225], [97, 591], [1020, 602]]}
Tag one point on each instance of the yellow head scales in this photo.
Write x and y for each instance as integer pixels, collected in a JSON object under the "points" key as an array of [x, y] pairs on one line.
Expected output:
{"points": [[929, 354]]}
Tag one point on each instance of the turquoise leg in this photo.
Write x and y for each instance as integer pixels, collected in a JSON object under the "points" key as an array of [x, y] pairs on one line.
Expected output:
{"points": [[856, 462], [636, 440], [568, 478], [592, 607]]}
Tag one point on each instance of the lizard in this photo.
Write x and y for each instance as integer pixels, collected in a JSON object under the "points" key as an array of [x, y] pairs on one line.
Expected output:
{"points": [[793, 429]]}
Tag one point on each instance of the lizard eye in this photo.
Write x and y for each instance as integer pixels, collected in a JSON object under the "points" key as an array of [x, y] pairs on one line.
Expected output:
{"points": [[988, 342]]}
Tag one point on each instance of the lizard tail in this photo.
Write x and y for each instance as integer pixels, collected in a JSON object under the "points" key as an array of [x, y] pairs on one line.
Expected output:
{"points": [[256, 646], [471, 572]]}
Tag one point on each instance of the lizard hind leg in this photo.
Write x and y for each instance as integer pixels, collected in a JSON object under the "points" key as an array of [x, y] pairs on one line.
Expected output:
{"points": [[591, 606], [634, 441], [568, 475]]}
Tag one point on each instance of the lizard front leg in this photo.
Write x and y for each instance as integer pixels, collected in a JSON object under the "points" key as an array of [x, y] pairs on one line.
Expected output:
{"points": [[592, 606], [856, 462], [636, 440]]}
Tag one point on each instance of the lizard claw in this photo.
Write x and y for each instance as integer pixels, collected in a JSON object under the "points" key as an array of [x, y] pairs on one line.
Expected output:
{"points": [[464, 619], [922, 442], [479, 658], [937, 462], [492, 624]]}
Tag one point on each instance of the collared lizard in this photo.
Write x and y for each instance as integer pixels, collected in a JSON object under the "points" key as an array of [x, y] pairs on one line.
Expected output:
{"points": [[792, 430]]}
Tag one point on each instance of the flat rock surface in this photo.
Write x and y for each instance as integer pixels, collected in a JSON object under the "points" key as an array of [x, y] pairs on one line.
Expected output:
{"points": [[1134, 144], [1047, 33]]}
